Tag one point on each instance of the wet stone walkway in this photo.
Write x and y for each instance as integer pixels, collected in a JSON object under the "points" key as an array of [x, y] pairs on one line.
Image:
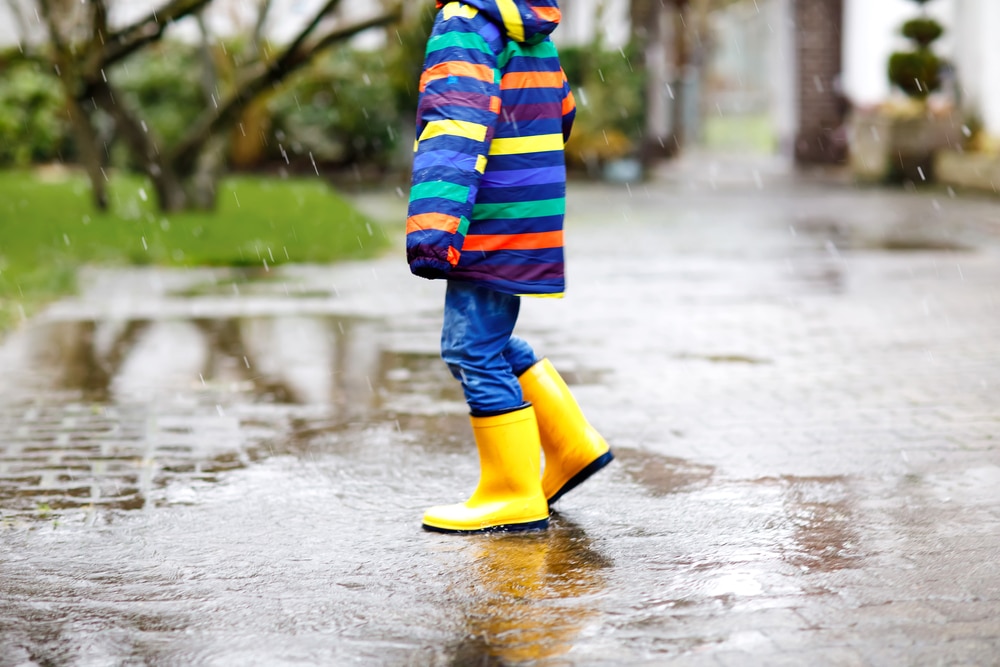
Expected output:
{"points": [[800, 381]]}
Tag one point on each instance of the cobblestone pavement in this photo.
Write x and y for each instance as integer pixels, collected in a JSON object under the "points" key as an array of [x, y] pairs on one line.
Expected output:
{"points": [[799, 380]]}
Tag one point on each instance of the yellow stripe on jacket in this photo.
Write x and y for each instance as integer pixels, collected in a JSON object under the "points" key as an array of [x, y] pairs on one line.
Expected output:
{"points": [[521, 145]]}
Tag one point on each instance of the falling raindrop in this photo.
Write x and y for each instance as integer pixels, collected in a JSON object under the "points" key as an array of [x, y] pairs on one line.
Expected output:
{"points": [[142, 194], [237, 199]]}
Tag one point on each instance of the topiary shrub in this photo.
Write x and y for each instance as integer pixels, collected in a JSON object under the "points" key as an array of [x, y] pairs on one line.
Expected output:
{"points": [[918, 72]]}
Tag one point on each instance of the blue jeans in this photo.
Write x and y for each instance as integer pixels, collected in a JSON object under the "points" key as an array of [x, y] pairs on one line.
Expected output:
{"points": [[479, 348]]}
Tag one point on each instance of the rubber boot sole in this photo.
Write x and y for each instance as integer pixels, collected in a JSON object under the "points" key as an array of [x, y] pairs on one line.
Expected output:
{"points": [[580, 477], [541, 524]]}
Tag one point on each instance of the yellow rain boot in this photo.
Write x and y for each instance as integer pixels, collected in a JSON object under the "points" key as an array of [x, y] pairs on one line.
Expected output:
{"points": [[574, 450], [509, 495]]}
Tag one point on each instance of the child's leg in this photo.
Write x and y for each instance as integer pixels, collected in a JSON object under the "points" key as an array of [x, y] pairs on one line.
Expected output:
{"points": [[478, 323], [519, 355]]}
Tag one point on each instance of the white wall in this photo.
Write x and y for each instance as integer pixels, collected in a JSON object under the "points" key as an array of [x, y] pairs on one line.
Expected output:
{"points": [[584, 20], [871, 34], [977, 58]]}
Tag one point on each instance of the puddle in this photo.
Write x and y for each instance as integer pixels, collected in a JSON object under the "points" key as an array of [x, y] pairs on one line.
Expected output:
{"points": [[117, 415], [919, 234], [724, 358], [661, 475]]}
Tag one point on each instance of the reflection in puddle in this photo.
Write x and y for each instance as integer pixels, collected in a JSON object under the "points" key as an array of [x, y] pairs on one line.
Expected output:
{"points": [[661, 475], [822, 523], [530, 595], [120, 414]]}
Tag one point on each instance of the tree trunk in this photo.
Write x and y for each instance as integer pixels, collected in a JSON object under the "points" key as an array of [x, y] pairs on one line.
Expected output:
{"points": [[170, 193], [89, 145], [654, 39]]}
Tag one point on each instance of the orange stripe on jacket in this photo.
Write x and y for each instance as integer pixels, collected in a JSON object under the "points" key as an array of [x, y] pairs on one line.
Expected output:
{"points": [[568, 104], [492, 242], [548, 14], [456, 68], [438, 221], [531, 80]]}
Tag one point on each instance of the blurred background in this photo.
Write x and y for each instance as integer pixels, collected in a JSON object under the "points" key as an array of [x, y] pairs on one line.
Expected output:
{"points": [[193, 132]]}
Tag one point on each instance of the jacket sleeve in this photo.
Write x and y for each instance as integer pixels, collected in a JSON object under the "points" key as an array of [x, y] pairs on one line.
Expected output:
{"points": [[456, 117], [568, 109]]}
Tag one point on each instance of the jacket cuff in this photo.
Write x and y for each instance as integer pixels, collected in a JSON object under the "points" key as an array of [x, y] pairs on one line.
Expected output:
{"points": [[429, 268]]}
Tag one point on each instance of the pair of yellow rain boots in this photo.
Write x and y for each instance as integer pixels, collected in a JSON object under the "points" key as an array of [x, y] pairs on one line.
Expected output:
{"points": [[513, 494]]}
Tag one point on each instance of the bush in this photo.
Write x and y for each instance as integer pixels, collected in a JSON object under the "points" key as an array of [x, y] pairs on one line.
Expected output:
{"points": [[158, 83], [610, 108], [918, 72], [923, 31], [32, 116], [342, 109]]}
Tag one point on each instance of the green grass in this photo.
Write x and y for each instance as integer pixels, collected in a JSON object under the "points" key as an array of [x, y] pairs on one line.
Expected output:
{"points": [[48, 229]]}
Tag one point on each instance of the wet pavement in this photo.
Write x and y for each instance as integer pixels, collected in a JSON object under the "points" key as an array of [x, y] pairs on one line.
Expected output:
{"points": [[800, 380]]}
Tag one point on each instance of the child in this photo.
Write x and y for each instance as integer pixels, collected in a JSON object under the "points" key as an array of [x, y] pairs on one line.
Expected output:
{"points": [[486, 214]]}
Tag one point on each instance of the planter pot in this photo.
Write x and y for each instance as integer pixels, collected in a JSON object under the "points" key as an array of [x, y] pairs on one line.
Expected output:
{"points": [[885, 149], [974, 171]]}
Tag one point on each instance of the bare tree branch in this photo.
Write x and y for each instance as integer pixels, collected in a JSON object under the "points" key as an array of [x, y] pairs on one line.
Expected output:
{"points": [[258, 29], [209, 74], [99, 25], [264, 75], [126, 41], [306, 32]]}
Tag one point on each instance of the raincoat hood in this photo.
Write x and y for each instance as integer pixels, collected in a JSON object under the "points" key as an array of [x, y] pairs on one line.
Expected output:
{"points": [[526, 21]]}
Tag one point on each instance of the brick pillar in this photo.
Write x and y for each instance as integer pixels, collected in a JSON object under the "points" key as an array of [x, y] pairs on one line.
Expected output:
{"points": [[818, 50]]}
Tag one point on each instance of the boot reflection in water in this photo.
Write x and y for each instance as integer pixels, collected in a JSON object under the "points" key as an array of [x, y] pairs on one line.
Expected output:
{"points": [[531, 596]]}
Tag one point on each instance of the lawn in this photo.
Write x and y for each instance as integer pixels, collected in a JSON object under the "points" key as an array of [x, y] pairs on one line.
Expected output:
{"points": [[48, 228]]}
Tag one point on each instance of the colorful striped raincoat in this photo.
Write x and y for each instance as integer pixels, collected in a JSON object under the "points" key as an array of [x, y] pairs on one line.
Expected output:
{"points": [[488, 194]]}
